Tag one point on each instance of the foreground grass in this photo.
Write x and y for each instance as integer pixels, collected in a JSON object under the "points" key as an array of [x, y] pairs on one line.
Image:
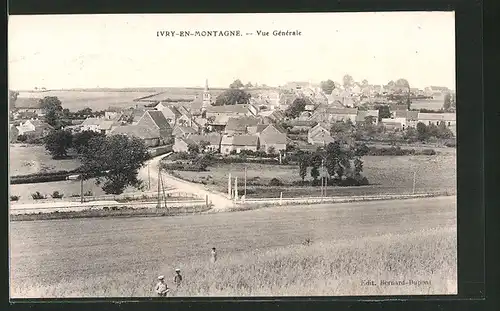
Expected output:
{"points": [[322, 268]]}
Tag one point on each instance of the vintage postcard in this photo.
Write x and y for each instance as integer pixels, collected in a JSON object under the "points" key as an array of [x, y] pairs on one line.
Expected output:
{"points": [[232, 155]]}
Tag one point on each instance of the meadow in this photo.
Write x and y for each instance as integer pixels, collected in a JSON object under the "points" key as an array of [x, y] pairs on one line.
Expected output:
{"points": [[31, 159], [386, 174], [97, 100], [261, 252]]}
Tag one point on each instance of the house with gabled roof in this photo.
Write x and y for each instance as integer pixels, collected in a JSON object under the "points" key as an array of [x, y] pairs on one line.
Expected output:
{"points": [[34, 128], [327, 114], [239, 143], [364, 114], [448, 119], [156, 121], [212, 141], [28, 105], [319, 135], [272, 136], [170, 112], [183, 131], [150, 137], [237, 126], [181, 144], [98, 125]]}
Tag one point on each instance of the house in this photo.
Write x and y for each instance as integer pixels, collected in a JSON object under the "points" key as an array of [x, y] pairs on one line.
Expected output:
{"points": [[319, 134], [181, 144], [272, 136], [213, 141], [238, 126], [156, 121], [448, 119], [13, 133], [112, 113], [363, 114], [335, 114], [273, 116], [183, 131], [412, 118], [398, 107], [392, 124], [97, 125], [150, 137], [221, 114], [170, 112], [34, 128], [28, 105], [132, 115], [286, 99], [238, 143]]}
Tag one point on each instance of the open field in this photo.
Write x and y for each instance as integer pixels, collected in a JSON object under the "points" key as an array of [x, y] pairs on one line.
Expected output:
{"points": [[97, 100], [180, 93], [35, 159], [260, 251], [386, 174], [432, 104]]}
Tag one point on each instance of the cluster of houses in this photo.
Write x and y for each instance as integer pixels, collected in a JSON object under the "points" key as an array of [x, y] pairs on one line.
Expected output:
{"points": [[232, 128]]}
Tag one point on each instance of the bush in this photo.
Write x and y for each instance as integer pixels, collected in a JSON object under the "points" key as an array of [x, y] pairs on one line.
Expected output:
{"points": [[37, 196], [88, 194], [14, 198], [275, 182], [428, 152], [41, 177], [57, 195]]}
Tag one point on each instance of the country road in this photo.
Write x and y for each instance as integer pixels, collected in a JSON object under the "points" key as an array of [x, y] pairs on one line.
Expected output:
{"points": [[219, 200]]}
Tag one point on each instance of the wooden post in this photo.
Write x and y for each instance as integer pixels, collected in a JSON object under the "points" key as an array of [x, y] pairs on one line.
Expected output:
{"points": [[236, 188], [245, 181], [414, 180], [206, 200], [159, 198], [229, 192], [81, 189], [281, 197], [149, 179]]}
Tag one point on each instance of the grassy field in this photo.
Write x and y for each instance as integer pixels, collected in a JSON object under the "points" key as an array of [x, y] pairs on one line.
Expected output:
{"points": [[97, 100], [261, 252], [386, 174], [32, 159]]}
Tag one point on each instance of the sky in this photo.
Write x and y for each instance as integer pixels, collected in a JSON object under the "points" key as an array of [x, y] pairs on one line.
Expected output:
{"points": [[90, 51]]}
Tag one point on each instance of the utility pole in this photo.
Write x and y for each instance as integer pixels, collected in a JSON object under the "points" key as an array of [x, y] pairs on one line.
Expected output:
{"points": [[236, 188], [229, 190], [81, 188], [159, 198], [414, 180], [322, 177], [245, 182], [149, 180], [163, 188]]}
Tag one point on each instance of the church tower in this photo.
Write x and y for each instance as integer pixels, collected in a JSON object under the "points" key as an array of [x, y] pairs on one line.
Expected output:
{"points": [[207, 98]]}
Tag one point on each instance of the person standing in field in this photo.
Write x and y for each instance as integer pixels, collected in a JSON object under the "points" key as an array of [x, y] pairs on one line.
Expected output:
{"points": [[161, 287], [177, 278], [213, 257]]}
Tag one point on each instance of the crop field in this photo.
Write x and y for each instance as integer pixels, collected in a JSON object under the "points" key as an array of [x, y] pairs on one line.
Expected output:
{"points": [[386, 174], [97, 100], [261, 252], [432, 104], [180, 93], [30, 159]]}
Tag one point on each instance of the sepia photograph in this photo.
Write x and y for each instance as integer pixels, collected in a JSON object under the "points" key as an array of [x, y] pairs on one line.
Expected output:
{"points": [[232, 155]]}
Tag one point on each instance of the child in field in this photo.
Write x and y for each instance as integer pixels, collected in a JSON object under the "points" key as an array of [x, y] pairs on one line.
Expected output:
{"points": [[213, 257], [161, 287], [178, 278]]}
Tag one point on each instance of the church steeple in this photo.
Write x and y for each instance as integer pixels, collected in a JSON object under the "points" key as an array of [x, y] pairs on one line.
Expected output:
{"points": [[207, 98]]}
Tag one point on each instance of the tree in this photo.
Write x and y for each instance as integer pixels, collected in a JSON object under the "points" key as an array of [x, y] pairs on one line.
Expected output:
{"points": [[203, 145], [364, 83], [404, 84], [348, 81], [422, 132], [193, 149], [315, 172], [81, 139], [13, 97], [383, 111], [296, 108], [232, 97], [327, 86], [52, 108], [249, 84], [58, 142], [303, 164], [236, 84], [115, 162], [447, 101]]}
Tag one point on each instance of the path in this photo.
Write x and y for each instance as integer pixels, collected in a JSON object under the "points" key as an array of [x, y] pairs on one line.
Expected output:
{"points": [[219, 200]]}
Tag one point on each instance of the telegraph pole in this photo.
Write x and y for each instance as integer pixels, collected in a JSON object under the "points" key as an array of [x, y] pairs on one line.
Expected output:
{"points": [[245, 182], [159, 198], [149, 180], [81, 188], [414, 180]]}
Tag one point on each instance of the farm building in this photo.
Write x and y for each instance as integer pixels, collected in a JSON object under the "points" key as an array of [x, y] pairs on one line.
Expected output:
{"points": [[149, 136], [156, 121], [448, 119], [220, 115], [335, 114], [98, 125], [238, 143], [181, 144], [238, 126], [170, 112], [319, 134], [273, 136], [213, 141], [183, 131], [34, 128], [364, 114]]}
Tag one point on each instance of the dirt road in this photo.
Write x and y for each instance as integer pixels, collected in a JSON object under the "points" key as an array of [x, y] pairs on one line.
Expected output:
{"points": [[220, 201]]}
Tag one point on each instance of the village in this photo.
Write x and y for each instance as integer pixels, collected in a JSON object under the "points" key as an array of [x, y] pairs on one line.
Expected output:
{"points": [[255, 125]]}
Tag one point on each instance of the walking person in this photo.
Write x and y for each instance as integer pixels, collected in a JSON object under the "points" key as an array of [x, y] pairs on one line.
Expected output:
{"points": [[213, 257], [161, 287], [177, 278]]}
